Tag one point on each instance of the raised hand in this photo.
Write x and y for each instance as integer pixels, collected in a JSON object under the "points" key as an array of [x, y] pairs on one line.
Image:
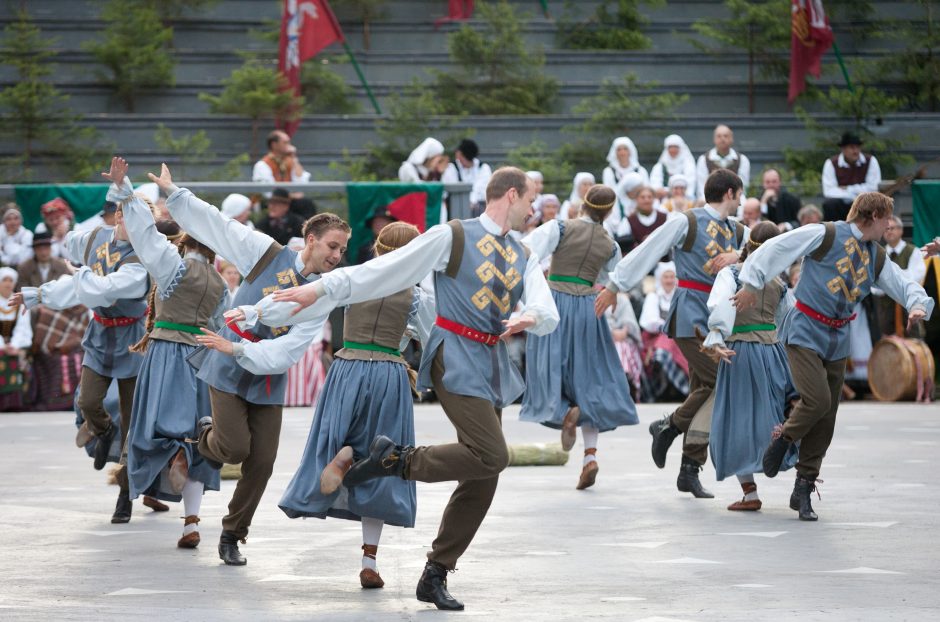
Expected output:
{"points": [[304, 296], [931, 248], [118, 171], [164, 181]]}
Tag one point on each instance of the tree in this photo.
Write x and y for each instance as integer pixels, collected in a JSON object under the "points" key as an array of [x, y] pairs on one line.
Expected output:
{"points": [[194, 150], [538, 156], [367, 11], [917, 65], [35, 115], [603, 30], [135, 50], [496, 73], [258, 92], [762, 29], [324, 90]]}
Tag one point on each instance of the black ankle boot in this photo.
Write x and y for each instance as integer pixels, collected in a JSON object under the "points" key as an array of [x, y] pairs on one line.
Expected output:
{"points": [[122, 511], [802, 498], [664, 433], [384, 460], [103, 448], [688, 479], [228, 550], [432, 588], [776, 452]]}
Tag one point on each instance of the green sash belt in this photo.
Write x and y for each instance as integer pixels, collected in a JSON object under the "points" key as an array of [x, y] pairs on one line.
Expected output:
{"points": [[374, 347], [183, 328], [570, 279], [750, 328]]}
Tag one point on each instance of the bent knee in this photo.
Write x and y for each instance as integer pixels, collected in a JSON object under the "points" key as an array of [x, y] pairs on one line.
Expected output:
{"points": [[496, 459]]}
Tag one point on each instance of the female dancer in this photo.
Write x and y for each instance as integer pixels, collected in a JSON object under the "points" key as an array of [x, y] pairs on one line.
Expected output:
{"points": [[588, 388], [754, 387], [188, 294]]}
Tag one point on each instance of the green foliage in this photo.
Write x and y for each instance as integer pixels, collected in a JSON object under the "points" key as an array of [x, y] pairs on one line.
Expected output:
{"points": [[258, 92], [35, 116], [134, 49], [604, 30], [173, 9], [324, 90], [497, 73], [860, 111], [538, 156], [367, 11], [917, 66], [195, 150]]}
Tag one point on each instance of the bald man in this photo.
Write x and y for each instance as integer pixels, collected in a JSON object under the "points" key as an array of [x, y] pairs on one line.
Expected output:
{"points": [[721, 156]]}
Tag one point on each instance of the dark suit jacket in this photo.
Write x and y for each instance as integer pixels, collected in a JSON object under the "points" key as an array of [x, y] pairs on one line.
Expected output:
{"points": [[29, 273], [783, 208]]}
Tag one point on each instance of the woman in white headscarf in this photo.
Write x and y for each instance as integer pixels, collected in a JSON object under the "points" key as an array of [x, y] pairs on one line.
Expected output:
{"points": [[622, 158], [666, 368], [579, 187], [426, 163], [16, 337], [676, 159]]}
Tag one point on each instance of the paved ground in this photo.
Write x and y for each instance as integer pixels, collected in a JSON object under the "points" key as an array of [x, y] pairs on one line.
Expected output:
{"points": [[632, 548]]}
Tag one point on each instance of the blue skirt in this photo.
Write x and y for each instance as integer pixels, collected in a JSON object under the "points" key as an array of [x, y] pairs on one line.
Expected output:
{"points": [[576, 365], [751, 395], [112, 406], [360, 399], [168, 402]]}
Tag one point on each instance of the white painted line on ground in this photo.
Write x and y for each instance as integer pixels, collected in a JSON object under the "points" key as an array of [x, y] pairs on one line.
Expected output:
{"points": [[860, 570]]}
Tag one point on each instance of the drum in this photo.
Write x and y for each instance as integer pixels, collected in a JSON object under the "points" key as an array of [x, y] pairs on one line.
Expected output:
{"points": [[901, 369]]}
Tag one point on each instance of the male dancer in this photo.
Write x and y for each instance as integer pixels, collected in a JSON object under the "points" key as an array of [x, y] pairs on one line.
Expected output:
{"points": [[246, 372], [480, 273], [841, 263], [114, 285], [703, 242]]}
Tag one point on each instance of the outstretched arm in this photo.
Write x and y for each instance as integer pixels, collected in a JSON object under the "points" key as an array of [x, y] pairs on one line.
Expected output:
{"points": [[721, 309], [906, 292], [268, 356]]}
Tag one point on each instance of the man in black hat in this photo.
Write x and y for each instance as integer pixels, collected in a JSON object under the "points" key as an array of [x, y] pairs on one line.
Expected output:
{"points": [[380, 217], [467, 168], [279, 222], [847, 175], [43, 267]]}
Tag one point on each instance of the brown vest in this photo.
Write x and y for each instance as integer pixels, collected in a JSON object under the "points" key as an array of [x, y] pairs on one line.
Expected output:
{"points": [[380, 322], [903, 258], [713, 166], [764, 312], [282, 170], [641, 231], [192, 302], [583, 250], [852, 175]]}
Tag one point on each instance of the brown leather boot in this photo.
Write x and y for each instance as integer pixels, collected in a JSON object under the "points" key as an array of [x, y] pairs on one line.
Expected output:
{"points": [[744, 505], [335, 471], [569, 428], [84, 435], [190, 540], [156, 505], [178, 472], [368, 578], [589, 471]]}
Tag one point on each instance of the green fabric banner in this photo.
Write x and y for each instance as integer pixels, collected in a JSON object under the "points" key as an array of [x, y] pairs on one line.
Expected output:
{"points": [[926, 210], [419, 204], [86, 200]]}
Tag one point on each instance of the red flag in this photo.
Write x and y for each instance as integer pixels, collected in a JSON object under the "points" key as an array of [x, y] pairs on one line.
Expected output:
{"points": [[307, 27], [457, 10], [810, 37], [411, 208]]}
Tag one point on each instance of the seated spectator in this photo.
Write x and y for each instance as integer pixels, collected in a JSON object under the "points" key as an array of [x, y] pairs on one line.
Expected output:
{"points": [[57, 219], [645, 219], [847, 175], [778, 205], [280, 164], [238, 208], [678, 200], [550, 207], [809, 214], [676, 159], [16, 337], [42, 267], [721, 156], [750, 212], [666, 368], [539, 180], [467, 168], [426, 163], [375, 223], [892, 317], [628, 341], [230, 275], [579, 187], [279, 222], [623, 159], [15, 240]]}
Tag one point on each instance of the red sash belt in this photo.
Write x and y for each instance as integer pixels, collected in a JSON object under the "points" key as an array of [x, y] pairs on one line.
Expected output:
{"points": [[702, 287], [832, 322], [253, 338], [465, 331], [111, 322]]}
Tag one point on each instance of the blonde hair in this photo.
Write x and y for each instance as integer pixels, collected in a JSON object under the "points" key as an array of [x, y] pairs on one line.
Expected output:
{"points": [[870, 205], [393, 236]]}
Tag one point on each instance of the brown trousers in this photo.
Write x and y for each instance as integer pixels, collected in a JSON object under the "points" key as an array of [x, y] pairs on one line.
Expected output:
{"points": [[813, 420], [244, 433], [702, 374], [475, 461], [94, 387]]}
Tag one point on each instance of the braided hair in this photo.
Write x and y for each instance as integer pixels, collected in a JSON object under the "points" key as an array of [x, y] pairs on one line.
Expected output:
{"points": [[173, 233]]}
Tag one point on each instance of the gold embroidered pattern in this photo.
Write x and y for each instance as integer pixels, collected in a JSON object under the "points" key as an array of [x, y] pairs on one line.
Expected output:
{"points": [[715, 246], [109, 259], [847, 269], [488, 244], [487, 272], [285, 279]]}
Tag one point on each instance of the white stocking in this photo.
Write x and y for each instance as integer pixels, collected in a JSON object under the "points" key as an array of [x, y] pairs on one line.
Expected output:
{"points": [[589, 434], [192, 499], [371, 533]]}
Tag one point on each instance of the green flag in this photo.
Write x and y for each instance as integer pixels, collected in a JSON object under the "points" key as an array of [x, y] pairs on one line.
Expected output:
{"points": [[86, 200], [926, 210], [418, 204]]}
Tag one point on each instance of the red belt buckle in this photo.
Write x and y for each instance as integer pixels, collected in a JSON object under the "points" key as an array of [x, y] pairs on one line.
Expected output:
{"points": [[697, 285], [467, 332], [832, 322]]}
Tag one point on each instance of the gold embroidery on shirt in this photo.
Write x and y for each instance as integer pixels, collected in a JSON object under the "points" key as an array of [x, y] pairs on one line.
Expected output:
{"points": [[485, 297], [285, 279], [716, 247], [488, 244], [487, 272], [109, 259], [848, 271]]}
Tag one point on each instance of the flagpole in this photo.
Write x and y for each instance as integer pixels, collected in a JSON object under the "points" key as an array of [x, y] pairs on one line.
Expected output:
{"points": [[544, 4], [362, 78], [845, 72]]}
